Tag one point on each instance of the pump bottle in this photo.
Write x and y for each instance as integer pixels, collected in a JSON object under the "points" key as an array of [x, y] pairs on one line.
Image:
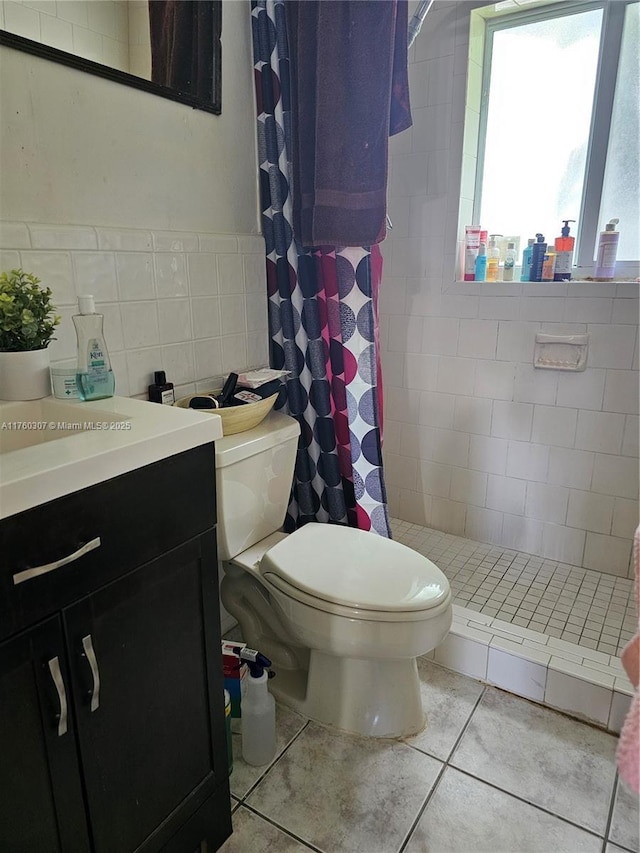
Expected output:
{"points": [[607, 250], [94, 376], [564, 253], [526, 260], [258, 711], [537, 258]]}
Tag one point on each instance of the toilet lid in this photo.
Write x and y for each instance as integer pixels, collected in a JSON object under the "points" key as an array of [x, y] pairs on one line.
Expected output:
{"points": [[362, 570]]}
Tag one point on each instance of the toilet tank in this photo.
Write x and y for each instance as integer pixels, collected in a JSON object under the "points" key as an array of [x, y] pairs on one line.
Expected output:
{"points": [[254, 474]]}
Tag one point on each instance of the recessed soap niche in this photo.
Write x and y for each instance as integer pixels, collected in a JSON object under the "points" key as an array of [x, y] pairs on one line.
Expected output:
{"points": [[561, 352]]}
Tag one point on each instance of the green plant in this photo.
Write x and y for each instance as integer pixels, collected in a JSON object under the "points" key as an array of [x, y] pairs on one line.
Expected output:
{"points": [[27, 318]]}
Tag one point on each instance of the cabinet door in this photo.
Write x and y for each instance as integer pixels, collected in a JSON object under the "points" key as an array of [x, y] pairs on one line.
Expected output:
{"points": [[41, 805], [145, 655]]}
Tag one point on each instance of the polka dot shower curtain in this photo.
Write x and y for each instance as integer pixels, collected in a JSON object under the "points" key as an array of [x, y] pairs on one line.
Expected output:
{"points": [[323, 321]]}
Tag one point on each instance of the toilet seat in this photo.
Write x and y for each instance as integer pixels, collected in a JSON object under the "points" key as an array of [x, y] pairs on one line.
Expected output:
{"points": [[356, 574]]}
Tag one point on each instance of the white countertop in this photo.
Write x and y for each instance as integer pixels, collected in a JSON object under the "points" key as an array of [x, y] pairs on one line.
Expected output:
{"points": [[102, 439]]}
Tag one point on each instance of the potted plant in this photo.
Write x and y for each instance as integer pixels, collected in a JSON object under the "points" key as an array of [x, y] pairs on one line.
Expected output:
{"points": [[27, 323]]}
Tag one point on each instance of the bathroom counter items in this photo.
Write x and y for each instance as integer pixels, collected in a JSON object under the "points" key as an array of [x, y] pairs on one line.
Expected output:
{"points": [[50, 448]]}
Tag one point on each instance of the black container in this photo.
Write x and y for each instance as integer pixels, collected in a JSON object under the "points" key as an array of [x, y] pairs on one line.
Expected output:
{"points": [[161, 391]]}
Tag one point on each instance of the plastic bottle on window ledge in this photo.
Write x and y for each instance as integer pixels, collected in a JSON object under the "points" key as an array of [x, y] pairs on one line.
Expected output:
{"points": [[537, 258], [493, 259], [549, 264], [525, 272], [481, 263], [509, 262], [564, 253], [607, 252]]}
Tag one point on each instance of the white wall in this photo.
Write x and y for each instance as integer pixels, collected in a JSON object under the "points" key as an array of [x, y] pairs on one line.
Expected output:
{"points": [[76, 149], [148, 204], [94, 29], [477, 442]]}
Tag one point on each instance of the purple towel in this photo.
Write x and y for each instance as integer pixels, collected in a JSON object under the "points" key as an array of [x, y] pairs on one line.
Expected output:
{"points": [[349, 93]]}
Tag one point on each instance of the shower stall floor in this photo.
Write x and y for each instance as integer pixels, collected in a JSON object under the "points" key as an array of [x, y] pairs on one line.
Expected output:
{"points": [[541, 629], [580, 606]]}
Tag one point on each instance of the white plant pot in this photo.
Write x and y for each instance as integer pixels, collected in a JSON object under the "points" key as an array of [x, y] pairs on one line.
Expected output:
{"points": [[25, 375]]}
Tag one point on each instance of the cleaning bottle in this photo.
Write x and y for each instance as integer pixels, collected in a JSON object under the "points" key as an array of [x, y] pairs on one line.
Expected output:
{"points": [[564, 253], [493, 258], [607, 251], [161, 391], [94, 376], [549, 264], [481, 263], [258, 711], [509, 262], [537, 258], [526, 260]]}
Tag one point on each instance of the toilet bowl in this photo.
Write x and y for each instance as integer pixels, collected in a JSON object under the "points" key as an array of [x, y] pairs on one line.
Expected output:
{"points": [[342, 613]]}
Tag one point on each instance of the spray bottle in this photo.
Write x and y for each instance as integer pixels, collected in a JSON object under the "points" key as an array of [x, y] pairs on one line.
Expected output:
{"points": [[258, 711]]}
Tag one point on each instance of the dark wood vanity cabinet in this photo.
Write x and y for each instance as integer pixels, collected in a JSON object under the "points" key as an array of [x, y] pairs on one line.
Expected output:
{"points": [[111, 699]]}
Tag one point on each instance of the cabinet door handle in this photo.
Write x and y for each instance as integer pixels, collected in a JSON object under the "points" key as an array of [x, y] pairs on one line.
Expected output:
{"points": [[27, 574], [56, 675], [87, 645]]}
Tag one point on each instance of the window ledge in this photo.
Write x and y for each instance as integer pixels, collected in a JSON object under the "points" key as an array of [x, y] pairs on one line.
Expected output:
{"points": [[628, 288]]}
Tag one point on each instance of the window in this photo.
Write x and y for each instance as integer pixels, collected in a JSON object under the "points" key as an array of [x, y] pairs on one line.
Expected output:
{"points": [[559, 112]]}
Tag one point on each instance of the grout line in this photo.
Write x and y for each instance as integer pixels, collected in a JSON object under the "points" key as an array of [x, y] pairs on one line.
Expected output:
{"points": [[272, 765], [614, 791], [422, 809], [529, 803], [445, 764], [287, 832]]}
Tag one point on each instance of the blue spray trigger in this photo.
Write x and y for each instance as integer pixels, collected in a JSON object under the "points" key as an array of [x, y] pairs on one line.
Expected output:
{"points": [[256, 661]]}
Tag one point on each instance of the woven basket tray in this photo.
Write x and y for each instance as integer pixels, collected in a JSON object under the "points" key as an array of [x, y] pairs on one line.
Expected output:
{"points": [[235, 418]]}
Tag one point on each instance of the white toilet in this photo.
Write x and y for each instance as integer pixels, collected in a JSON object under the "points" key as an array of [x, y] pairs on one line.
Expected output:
{"points": [[342, 613]]}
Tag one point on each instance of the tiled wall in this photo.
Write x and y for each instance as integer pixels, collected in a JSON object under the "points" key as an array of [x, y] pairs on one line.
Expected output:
{"points": [[193, 305], [94, 29], [478, 442]]}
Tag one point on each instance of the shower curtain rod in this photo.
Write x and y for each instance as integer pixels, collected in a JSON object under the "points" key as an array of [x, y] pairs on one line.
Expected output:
{"points": [[416, 22]]}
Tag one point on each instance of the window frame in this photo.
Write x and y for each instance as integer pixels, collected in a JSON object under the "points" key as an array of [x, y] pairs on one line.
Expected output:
{"points": [[588, 225]]}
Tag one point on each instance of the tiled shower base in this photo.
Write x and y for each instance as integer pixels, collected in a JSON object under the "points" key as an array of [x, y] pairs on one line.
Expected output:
{"points": [[544, 630]]}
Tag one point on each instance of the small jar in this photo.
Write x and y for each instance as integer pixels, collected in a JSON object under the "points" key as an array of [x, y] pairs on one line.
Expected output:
{"points": [[63, 379]]}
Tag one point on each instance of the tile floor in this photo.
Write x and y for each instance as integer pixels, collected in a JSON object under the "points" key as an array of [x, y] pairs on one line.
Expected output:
{"points": [[591, 609], [490, 772]]}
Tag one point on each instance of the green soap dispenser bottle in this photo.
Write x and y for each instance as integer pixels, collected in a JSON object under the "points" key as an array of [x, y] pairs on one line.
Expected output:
{"points": [[94, 376]]}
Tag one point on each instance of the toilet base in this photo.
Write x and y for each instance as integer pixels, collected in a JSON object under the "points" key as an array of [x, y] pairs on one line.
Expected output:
{"points": [[375, 698]]}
